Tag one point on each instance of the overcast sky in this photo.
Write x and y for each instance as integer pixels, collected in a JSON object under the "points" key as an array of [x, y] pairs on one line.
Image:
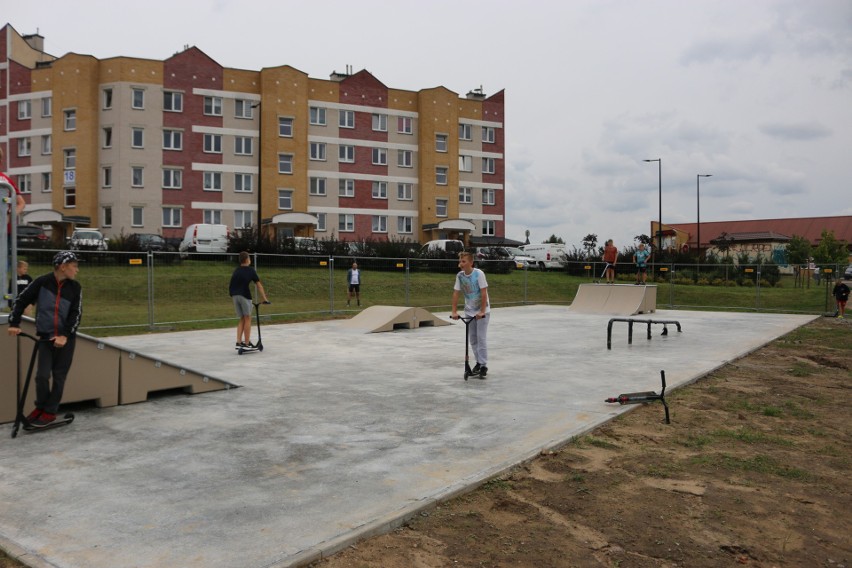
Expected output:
{"points": [[757, 93]]}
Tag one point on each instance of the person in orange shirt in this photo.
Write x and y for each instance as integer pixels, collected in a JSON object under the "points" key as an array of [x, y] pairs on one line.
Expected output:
{"points": [[610, 257]]}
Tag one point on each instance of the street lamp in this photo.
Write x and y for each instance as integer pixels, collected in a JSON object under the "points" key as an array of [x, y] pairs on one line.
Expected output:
{"points": [[698, 209], [660, 223]]}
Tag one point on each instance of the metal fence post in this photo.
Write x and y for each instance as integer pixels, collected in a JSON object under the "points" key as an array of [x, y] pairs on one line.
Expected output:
{"points": [[757, 291], [150, 290], [525, 282], [407, 281], [331, 283]]}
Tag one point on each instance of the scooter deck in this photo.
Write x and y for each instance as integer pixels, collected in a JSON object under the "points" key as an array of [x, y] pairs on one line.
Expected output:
{"points": [[64, 421]]}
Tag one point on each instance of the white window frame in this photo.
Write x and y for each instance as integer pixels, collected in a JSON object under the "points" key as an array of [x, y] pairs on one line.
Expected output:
{"points": [[243, 182], [380, 223], [442, 204], [70, 197], [172, 216], [317, 116], [25, 110], [465, 131], [488, 135], [321, 219], [405, 191], [133, 211], [172, 178], [70, 119], [442, 174], [243, 218], [404, 125], [106, 99], [285, 199], [380, 156], [172, 140], [212, 144], [317, 151], [465, 195], [346, 118], [243, 146], [107, 132], [137, 137], [107, 215], [405, 158], [106, 176], [172, 101], [380, 190], [25, 183], [318, 186], [211, 181], [46, 182], [346, 223], [489, 197], [285, 126], [380, 122], [442, 143], [137, 98], [212, 106], [465, 163], [46, 107], [346, 187], [285, 163], [405, 225], [489, 165], [489, 228], [134, 182], [69, 158], [346, 154], [25, 147], [243, 108], [212, 216], [46, 144]]}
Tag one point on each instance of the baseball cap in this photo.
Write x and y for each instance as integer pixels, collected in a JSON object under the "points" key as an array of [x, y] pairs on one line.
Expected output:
{"points": [[64, 257]]}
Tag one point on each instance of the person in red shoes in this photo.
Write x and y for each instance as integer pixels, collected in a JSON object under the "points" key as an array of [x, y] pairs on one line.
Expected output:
{"points": [[59, 306]]}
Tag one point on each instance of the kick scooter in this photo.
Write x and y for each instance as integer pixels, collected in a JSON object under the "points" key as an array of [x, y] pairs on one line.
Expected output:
{"points": [[20, 419], [468, 372], [259, 345], [603, 273]]}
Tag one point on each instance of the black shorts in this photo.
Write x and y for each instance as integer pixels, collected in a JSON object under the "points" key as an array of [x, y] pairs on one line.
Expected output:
{"points": [[355, 288], [642, 269]]}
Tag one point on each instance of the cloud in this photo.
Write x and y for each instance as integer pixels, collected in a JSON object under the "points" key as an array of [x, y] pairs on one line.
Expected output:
{"points": [[796, 131]]}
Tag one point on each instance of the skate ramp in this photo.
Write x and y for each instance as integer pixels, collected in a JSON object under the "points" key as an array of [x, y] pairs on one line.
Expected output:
{"points": [[615, 299], [388, 318]]}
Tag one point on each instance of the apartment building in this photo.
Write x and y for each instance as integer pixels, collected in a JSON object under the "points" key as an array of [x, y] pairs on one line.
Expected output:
{"points": [[139, 145]]}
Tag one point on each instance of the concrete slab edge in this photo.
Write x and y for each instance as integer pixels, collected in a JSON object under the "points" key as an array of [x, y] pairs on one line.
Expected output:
{"points": [[22, 555]]}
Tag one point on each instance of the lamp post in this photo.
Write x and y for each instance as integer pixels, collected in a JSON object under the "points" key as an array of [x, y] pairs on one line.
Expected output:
{"points": [[660, 222], [698, 210]]}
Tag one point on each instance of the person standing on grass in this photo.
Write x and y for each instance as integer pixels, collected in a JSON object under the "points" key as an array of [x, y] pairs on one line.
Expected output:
{"points": [[59, 307], [353, 279], [239, 290], [610, 257], [841, 296], [471, 282], [640, 258], [23, 280]]}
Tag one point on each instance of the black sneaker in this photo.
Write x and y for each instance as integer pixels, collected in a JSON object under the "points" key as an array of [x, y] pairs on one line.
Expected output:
{"points": [[483, 371], [476, 369], [239, 344]]}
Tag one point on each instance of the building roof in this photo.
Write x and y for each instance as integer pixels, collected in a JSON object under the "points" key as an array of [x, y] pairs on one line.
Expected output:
{"points": [[810, 228], [755, 236]]}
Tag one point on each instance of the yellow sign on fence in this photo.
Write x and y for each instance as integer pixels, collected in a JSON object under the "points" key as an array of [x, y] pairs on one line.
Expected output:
{"points": [[135, 261]]}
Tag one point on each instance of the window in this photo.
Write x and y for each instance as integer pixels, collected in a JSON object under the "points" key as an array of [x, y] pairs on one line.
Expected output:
{"points": [[106, 176], [317, 151], [441, 175], [212, 181], [441, 207], [172, 101], [440, 142], [346, 154], [346, 188], [405, 158], [213, 143], [488, 134], [172, 179], [465, 132], [70, 197], [172, 140], [346, 223], [242, 183], [25, 183], [317, 186], [403, 125], [213, 216], [213, 106], [47, 106], [46, 182], [137, 139], [243, 109], [346, 119], [70, 119], [107, 99], [488, 165], [25, 110], [136, 177], [285, 199], [380, 224], [489, 228], [488, 197], [380, 122], [171, 216], [46, 144], [465, 195], [137, 98], [285, 127], [380, 156], [404, 192], [136, 217], [25, 147], [465, 163], [320, 222], [285, 163], [107, 136], [242, 145], [380, 190], [404, 225], [318, 116], [242, 219], [70, 158], [107, 216]]}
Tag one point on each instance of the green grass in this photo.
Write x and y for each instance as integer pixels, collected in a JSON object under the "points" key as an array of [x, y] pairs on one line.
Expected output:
{"points": [[757, 464]]}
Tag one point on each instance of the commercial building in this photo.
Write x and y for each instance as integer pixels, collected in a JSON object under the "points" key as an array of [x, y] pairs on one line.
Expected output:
{"points": [[138, 145]]}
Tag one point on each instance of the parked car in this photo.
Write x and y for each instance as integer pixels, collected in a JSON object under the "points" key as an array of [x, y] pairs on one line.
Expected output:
{"points": [[847, 274], [442, 248], [522, 260], [496, 259], [31, 236], [204, 237], [150, 242], [87, 239]]}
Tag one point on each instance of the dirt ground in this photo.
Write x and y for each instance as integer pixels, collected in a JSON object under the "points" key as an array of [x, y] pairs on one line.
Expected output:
{"points": [[754, 470]]}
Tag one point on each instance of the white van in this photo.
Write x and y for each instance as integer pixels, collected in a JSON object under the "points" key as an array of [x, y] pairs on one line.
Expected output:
{"points": [[204, 237], [547, 256]]}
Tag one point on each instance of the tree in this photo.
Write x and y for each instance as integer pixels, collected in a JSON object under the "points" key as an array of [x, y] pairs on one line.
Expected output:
{"points": [[555, 239], [644, 239], [830, 250], [590, 242], [798, 250]]}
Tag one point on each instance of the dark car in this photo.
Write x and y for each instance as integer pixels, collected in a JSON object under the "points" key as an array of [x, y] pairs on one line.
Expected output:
{"points": [[150, 242], [31, 236], [847, 274]]}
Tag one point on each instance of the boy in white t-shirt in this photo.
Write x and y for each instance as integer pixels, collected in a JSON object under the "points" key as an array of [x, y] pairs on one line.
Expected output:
{"points": [[471, 282]]}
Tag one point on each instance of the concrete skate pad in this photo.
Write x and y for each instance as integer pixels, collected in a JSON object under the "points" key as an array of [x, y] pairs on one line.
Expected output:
{"points": [[388, 318], [615, 299], [333, 437]]}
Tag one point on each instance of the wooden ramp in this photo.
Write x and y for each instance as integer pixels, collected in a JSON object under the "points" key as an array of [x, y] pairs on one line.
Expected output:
{"points": [[615, 299], [102, 372], [388, 318]]}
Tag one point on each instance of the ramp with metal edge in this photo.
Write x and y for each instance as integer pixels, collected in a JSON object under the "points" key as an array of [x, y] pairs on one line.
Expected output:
{"points": [[615, 299], [388, 318], [103, 372]]}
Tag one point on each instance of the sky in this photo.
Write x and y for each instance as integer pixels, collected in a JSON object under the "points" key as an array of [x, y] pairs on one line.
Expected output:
{"points": [[756, 93]]}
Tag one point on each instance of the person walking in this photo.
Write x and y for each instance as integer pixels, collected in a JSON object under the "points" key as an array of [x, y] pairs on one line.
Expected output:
{"points": [[610, 257], [640, 258], [841, 296], [472, 284], [239, 290], [59, 307], [353, 279]]}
